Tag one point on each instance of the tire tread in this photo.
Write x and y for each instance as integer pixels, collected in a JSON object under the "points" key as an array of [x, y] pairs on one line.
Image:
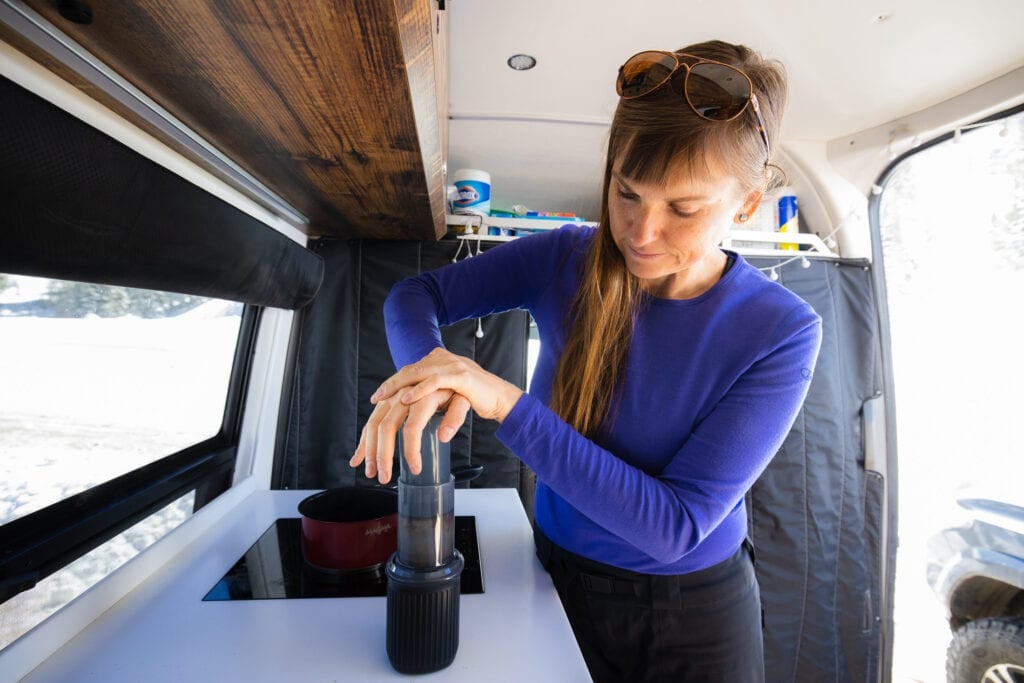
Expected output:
{"points": [[980, 644]]}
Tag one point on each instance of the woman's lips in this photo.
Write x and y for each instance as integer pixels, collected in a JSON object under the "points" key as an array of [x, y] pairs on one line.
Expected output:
{"points": [[642, 256]]}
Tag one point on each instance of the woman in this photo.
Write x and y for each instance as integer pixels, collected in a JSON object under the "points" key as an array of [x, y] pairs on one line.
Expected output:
{"points": [[670, 371]]}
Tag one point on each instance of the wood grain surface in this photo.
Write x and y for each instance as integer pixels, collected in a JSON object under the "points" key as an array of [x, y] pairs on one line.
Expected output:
{"points": [[334, 104]]}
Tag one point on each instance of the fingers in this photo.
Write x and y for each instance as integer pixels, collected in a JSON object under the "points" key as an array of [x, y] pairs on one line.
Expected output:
{"points": [[454, 373], [360, 453], [410, 374], [420, 414], [454, 417], [376, 448], [369, 443], [404, 377], [412, 431], [490, 396], [394, 414]]}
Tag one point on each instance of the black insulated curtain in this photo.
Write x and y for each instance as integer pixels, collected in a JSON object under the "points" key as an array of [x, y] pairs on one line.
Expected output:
{"points": [[76, 204], [816, 513]]}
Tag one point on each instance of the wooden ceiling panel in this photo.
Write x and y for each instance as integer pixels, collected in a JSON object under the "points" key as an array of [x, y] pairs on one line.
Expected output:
{"points": [[332, 105]]}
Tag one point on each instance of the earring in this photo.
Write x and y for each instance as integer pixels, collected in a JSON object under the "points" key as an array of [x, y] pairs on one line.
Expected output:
{"points": [[743, 217]]}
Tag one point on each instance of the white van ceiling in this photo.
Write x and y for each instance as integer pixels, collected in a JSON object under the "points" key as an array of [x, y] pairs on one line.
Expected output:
{"points": [[852, 66]]}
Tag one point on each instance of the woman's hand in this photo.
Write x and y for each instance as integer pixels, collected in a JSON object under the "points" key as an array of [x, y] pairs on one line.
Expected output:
{"points": [[440, 381], [377, 441]]}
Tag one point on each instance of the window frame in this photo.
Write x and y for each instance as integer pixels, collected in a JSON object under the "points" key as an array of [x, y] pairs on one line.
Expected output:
{"points": [[885, 330], [43, 542]]}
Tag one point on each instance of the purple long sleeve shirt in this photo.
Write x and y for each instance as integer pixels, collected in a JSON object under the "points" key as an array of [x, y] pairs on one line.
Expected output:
{"points": [[711, 388]]}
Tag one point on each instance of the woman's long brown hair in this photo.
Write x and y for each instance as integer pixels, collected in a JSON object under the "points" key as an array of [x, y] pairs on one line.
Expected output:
{"points": [[651, 138]]}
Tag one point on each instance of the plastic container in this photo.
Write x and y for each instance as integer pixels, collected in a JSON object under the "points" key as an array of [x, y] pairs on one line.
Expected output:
{"points": [[425, 572], [473, 192], [789, 216]]}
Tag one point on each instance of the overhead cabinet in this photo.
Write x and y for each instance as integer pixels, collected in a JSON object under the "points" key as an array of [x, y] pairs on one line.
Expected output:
{"points": [[336, 107]]}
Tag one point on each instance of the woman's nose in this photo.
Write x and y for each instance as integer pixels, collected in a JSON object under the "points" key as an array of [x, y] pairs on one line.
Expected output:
{"points": [[646, 227]]}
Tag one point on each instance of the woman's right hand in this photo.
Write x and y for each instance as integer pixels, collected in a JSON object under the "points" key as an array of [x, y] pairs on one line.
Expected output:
{"points": [[439, 380], [377, 442]]}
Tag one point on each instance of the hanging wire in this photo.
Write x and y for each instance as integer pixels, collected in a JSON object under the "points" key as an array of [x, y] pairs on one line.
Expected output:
{"points": [[479, 321], [458, 251]]}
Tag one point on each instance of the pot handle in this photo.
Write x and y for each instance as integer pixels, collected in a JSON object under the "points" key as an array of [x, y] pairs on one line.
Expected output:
{"points": [[467, 473]]}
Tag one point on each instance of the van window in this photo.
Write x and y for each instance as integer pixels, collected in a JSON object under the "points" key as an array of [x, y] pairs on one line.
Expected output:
{"points": [[95, 382], [101, 380], [952, 229]]}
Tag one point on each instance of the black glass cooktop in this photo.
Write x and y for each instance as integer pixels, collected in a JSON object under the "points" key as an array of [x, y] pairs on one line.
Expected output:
{"points": [[273, 568]]}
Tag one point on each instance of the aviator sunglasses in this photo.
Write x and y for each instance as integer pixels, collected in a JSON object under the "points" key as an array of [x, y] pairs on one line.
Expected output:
{"points": [[714, 91]]}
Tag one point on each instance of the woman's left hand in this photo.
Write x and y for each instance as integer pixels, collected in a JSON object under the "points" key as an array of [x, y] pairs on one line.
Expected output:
{"points": [[441, 380]]}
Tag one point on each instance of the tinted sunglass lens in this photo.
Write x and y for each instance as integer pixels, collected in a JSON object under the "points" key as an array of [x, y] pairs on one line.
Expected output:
{"points": [[717, 91], [643, 73]]}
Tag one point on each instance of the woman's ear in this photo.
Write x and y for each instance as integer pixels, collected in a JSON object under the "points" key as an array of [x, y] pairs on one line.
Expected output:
{"points": [[750, 204]]}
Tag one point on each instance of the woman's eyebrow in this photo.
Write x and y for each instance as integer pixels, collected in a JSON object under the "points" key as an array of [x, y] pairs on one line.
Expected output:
{"points": [[622, 180]]}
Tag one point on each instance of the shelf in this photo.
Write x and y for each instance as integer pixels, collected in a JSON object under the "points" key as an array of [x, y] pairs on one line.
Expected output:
{"points": [[815, 244], [767, 242], [476, 223]]}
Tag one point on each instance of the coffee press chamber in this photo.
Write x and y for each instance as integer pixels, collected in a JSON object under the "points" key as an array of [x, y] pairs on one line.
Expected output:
{"points": [[424, 573]]}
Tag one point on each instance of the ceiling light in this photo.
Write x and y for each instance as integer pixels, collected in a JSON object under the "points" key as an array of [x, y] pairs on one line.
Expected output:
{"points": [[522, 62]]}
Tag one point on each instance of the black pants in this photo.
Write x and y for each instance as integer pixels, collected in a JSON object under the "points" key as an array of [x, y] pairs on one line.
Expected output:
{"points": [[703, 626]]}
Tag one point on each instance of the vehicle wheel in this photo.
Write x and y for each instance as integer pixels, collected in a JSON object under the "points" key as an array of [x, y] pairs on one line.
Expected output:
{"points": [[987, 651]]}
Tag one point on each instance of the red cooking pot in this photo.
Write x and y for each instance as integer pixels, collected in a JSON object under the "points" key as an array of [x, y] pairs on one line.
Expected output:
{"points": [[356, 528], [349, 529]]}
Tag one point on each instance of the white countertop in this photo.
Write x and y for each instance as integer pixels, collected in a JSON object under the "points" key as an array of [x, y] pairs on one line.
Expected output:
{"points": [[163, 631]]}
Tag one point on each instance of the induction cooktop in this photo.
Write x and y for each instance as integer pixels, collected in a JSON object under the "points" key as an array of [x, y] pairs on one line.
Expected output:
{"points": [[273, 568]]}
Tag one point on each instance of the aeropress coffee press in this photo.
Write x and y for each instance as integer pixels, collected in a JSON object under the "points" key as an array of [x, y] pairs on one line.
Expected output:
{"points": [[424, 573]]}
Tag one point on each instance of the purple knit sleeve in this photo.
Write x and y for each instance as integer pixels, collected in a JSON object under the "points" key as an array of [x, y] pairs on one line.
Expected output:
{"points": [[671, 512], [512, 275]]}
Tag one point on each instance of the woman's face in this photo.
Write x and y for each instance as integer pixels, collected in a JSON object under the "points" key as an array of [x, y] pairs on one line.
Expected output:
{"points": [[668, 233]]}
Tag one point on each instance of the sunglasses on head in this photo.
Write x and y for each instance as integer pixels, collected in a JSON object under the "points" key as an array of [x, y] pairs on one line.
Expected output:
{"points": [[715, 91]]}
